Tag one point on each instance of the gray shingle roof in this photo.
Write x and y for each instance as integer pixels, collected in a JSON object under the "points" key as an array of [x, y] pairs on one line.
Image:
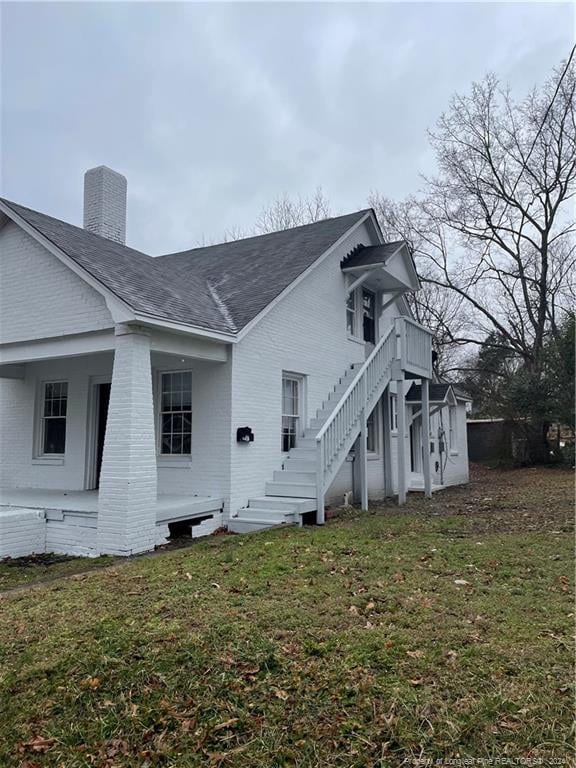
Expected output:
{"points": [[219, 287], [437, 393], [248, 274], [364, 256]]}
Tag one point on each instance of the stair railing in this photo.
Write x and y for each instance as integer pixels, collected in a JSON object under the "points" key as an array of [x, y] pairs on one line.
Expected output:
{"points": [[337, 435]]}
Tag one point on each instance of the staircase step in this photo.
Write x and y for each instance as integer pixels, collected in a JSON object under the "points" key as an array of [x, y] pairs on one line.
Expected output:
{"points": [[303, 453], [289, 476], [289, 504], [300, 465], [301, 490], [306, 442], [249, 525], [257, 513]]}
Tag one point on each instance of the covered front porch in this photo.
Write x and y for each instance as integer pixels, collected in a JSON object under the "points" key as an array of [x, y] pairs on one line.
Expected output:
{"points": [[35, 520], [110, 438]]}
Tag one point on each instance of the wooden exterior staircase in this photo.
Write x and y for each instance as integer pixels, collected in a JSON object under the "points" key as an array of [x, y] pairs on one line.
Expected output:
{"points": [[310, 468]]}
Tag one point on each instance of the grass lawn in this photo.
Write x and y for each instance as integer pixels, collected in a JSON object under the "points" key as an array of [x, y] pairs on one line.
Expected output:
{"points": [[440, 631]]}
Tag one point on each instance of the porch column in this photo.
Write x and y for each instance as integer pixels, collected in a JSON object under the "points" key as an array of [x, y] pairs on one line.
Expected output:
{"points": [[128, 479], [387, 443], [426, 438], [401, 408]]}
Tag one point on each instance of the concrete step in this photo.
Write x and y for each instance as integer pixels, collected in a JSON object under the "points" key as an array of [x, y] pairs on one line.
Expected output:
{"points": [[290, 476], [301, 490], [257, 513], [250, 525], [288, 504]]}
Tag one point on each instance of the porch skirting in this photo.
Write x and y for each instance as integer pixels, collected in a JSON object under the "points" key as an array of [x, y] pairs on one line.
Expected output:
{"points": [[35, 520]]}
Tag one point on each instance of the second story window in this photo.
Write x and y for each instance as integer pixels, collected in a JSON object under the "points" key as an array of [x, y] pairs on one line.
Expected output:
{"points": [[369, 316], [351, 313]]}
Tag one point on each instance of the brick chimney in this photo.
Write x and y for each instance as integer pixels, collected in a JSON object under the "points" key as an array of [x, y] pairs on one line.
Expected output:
{"points": [[105, 203]]}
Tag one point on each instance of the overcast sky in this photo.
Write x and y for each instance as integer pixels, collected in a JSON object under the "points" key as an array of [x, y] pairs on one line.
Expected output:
{"points": [[212, 110]]}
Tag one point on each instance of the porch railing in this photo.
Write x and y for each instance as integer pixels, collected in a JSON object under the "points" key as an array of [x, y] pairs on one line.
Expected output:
{"points": [[415, 353], [406, 342]]}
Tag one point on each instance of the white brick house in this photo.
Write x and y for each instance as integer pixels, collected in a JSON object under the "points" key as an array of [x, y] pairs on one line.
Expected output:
{"points": [[244, 384]]}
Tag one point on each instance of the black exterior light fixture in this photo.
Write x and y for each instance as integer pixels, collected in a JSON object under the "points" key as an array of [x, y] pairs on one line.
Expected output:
{"points": [[244, 435]]}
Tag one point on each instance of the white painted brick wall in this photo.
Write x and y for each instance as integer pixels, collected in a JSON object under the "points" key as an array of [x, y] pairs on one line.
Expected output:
{"points": [[128, 480], [305, 333], [19, 417], [41, 297], [207, 471], [22, 532]]}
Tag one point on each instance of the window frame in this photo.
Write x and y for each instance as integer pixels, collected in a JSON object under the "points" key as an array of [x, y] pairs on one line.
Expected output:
{"points": [[372, 318], [452, 430], [173, 457], [375, 452], [353, 311], [40, 453], [393, 412], [299, 380]]}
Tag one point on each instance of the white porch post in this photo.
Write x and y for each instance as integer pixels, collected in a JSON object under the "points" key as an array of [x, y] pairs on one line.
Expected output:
{"points": [[387, 442], [363, 451], [128, 479], [426, 438], [401, 408]]}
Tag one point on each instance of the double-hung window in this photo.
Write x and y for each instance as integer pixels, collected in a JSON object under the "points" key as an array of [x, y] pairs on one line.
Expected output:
{"points": [[372, 433], [351, 313], [176, 413], [369, 316], [53, 427], [452, 445], [291, 404]]}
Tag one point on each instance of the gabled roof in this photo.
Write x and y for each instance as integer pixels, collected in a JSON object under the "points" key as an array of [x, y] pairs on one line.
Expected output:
{"points": [[248, 274], [438, 393], [371, 255], [134, 277], [219, 287]]}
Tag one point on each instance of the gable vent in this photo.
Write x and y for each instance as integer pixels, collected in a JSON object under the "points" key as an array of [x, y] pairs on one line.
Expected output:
{"points": [[105, 203]]}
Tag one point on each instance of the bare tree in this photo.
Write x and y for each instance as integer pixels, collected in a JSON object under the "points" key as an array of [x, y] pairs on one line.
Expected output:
{"points": [[434, 306], [286, 212], [495, 226]]}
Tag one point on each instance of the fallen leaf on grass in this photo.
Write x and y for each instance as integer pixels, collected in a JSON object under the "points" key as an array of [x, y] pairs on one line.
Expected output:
{"points": [[416, 681], [415, 654], [37, 744], [280, 694], [398, 576], [461, 582], [225, 724]]}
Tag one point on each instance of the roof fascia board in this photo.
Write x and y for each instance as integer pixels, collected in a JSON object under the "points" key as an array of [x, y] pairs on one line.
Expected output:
{"points": [[172, 325], [119, 309], [289, 288]]}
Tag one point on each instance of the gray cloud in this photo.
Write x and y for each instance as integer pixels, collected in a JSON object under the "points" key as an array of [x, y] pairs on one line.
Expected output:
{"points": [[211, 110]]}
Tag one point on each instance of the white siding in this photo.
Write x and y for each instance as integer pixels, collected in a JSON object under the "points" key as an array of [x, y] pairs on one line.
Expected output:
{"points": [[39, 296]]}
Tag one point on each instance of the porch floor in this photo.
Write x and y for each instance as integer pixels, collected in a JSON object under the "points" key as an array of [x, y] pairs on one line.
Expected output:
{"points": [[169, 507]]}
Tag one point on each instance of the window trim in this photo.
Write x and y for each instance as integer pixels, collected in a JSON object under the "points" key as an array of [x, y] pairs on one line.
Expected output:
{"points": [[377, 452], [172, 458], [393, 413], [452, 430], [300, 379], [40, 456]]}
